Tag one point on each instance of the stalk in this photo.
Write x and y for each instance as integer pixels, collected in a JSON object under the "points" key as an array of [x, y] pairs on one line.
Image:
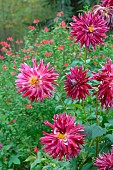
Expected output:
{"points": [[97, 120], [85, 56]]}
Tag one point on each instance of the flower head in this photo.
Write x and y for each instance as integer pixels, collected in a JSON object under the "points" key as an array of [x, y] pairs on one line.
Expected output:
{"points": [[76, 83], [105, 88], [35, 21], [36, 82], [107, 2], [31, 27], [88, 29], [105, 161], [65, 138], [104, 12]]}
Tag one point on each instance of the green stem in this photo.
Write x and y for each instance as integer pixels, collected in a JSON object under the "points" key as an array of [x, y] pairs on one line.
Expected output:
{"points": [[97, 120], [62, 103], [85, 57]]}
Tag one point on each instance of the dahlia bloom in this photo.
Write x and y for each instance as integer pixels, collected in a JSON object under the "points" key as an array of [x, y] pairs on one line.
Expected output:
{"points": [[65, 138], [36, 82], [104, 12], [105, 161], [105, 88], [88, 29], [76, 83], [107, 2]]}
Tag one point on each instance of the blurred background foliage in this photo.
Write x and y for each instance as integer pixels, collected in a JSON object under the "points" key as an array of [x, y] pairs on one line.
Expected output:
{"points": [[17, 15]]}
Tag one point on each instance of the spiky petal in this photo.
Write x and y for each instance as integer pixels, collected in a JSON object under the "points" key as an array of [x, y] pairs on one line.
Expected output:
{"points": [[88, 29], [76, 83], [105, 12], [105, 88], [105, 161], [36, 82], [65, 138], [107, 3]]}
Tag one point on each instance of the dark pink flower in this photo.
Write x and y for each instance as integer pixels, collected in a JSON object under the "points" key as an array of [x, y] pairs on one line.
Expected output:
{"points": [[105, 88], [107, 2], [36, 82], [104, 12], [65, 138], [105, 161], [76, 83], [88, 29]]}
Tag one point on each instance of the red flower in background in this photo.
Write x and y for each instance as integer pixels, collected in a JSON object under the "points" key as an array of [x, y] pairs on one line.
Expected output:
{"points": [[36, 82], [9, 53], [45, 29], [61, 47], [10, 39], [76, 83], [36, 21], [105, 161], [1, 57], [5, 44], [88, 29], [65, 138], [31, 28], [36, 149], [48, 54], [105, 88], [59, 14]]}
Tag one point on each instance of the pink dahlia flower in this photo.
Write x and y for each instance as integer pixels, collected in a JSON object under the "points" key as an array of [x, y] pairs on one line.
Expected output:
{"points": [[76, 83], [88, 29], [36, 82], [104, 12], [105, 161], [107, 2], [65, 138], [105, 88]]}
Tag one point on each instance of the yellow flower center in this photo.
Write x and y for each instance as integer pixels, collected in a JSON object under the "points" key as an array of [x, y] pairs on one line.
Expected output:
{"points": [[91, 28], [33, 80], [61, 136]]}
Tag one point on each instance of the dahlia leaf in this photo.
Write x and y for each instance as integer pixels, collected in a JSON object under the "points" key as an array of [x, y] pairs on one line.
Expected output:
{"points": [[97, 131]]}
